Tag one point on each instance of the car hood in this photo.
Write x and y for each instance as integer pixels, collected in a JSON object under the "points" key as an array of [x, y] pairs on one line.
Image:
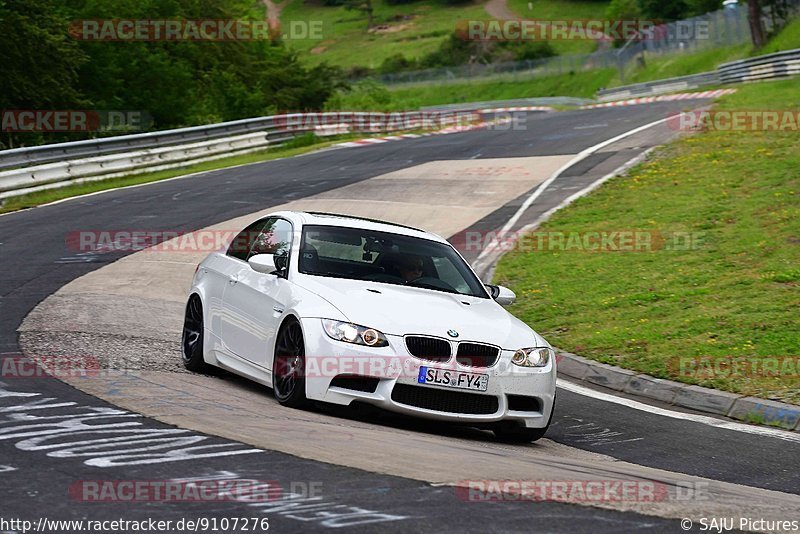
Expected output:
{"points": [[401, 310]]}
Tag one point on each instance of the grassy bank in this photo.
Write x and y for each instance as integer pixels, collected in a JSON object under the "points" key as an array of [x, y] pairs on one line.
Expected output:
{"points": [[787, 39], [657, 67], [412, 29], [734, 292], [580, 84], [561, 10]]}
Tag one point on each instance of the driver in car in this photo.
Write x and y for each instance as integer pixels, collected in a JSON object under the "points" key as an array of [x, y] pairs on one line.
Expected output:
{"points": [[410, 268]]}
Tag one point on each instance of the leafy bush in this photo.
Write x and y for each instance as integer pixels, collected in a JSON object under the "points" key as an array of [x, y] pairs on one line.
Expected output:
{"points": [[397, 63], [456, 51]]}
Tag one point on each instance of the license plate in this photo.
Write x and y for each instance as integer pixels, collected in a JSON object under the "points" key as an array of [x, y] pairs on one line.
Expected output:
{"points": [[453, 379]]}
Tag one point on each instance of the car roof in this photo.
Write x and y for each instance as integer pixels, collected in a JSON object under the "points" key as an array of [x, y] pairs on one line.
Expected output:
{"points": [[352, 221]]}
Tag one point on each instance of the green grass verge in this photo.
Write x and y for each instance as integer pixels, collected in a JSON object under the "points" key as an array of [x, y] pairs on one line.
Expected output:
{"points": [[579, 84], [38, 198], [736, 294]]}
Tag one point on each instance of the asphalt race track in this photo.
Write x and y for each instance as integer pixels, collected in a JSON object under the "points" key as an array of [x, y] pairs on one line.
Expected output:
{"points": [[395, 486]]}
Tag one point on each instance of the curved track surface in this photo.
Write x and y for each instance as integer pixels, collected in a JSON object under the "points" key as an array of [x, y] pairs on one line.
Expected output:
{"points": [[373, 469]]}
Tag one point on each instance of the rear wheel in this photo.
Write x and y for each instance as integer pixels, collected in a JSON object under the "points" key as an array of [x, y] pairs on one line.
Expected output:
{"points": [[288, 380], [192, 339]]}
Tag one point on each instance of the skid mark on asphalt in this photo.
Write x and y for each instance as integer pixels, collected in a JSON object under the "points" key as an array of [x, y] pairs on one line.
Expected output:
{"points": [[580, 431]]}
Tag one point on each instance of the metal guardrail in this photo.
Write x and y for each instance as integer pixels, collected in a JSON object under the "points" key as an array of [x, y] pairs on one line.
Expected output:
{"points": [[667, 85], [777, 65], [93, 147], [769, 66], [24, 170]]}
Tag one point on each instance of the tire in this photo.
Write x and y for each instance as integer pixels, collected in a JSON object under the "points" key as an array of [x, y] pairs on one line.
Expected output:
{"points": [[192, 338], [288, 380], [521, 434]]}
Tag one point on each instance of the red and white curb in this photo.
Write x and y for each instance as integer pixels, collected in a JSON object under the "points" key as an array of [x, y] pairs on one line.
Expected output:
{"points": [[664, 98], [443, 131], [376, 140]]}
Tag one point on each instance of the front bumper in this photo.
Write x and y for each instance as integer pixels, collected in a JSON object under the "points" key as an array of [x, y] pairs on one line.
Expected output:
{"points": [[394, 366]]}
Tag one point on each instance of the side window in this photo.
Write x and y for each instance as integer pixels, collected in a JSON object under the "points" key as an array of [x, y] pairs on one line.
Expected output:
{"points": [[275, 238], [241, 244]]}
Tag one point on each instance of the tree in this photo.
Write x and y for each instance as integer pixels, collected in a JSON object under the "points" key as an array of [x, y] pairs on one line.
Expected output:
{"points": [[701, 7], [756, 26], [662, 11], [40, 62], [177, 83], [623, 10]]}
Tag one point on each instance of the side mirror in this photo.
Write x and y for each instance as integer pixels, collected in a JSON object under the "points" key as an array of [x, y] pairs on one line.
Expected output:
{"points": [[262, 263], [502, 295]]}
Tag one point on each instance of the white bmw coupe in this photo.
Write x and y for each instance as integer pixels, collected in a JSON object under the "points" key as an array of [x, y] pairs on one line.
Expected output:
{"points": [[333, 308]]}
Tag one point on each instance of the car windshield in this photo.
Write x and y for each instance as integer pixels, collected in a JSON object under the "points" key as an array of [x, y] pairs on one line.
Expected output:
{"points": [[387, 258]]}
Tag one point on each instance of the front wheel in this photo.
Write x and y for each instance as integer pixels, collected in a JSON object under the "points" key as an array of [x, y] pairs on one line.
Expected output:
{"points": [[192, 339], [521, 434], [288, 380], [518, 434]]}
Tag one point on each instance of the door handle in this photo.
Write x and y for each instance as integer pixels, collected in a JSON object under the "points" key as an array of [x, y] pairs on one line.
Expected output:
{"points": [[232, 279], [277, 309]]}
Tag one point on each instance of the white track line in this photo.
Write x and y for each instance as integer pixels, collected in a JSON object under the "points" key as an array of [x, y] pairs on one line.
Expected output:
{"points": [[785, 435], [578, 157]]}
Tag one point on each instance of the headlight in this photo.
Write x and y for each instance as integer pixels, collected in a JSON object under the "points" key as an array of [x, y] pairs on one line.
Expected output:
{"points": [[533, 357], [353, 333]]}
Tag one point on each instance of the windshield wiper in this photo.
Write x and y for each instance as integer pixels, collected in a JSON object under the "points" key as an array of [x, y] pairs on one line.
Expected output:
{"points": [[431, 286]]}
